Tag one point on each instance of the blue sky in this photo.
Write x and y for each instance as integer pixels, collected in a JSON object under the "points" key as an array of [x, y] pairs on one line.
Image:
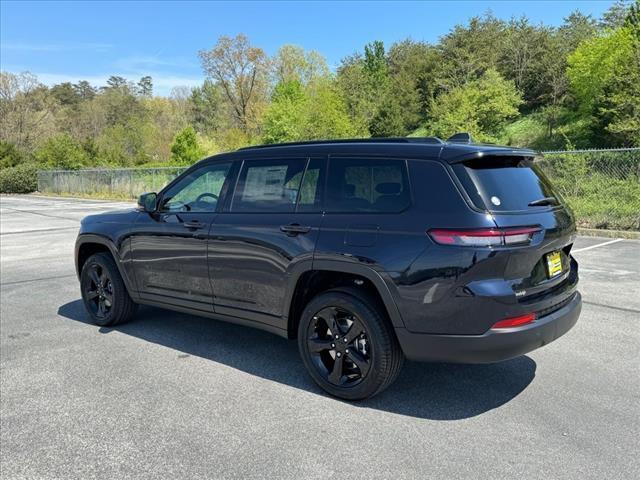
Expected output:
{"points": [[70, 41]]}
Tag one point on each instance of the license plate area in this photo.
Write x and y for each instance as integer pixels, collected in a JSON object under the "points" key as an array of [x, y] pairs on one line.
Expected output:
{"points": [[554, 264]]}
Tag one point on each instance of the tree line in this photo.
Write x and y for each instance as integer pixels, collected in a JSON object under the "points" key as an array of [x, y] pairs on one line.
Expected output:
{"points": [[504, 81]]}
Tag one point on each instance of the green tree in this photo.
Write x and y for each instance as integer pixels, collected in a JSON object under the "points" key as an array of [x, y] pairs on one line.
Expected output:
{"points": [[117, 82], [284, 118], [469, 50], [66, 94], [292, 63], [363, 82], [185, 149], [411, 86], [389, 121], [620, 106], [123, 144], [375, 63], [121, 106], [85, 90], [356, 90], [241, 70], [522, 57], [10, 156], [61, 152], [616, 15], [325, 114], [145, 86], [206, 107], [594, 65], [413, 67], [481, 107], [27, 110]]}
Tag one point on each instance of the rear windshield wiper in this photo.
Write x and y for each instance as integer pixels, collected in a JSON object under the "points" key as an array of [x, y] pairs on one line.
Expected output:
{"points": [[543, 202]]}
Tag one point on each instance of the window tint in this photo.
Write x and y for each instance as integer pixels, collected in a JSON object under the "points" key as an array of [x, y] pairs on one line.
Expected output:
{"points": [[504, 183], [310, 198], [197, 191], [268, 186], [367, 185]]}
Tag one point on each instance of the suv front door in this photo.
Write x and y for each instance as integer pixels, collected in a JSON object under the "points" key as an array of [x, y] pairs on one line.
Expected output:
{"points": [[270, 225], [169, 246]]}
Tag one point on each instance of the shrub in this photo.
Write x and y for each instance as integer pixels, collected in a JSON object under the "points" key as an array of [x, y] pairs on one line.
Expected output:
{"points": [[10, 156], [63, 152], [19, 179], [603, 189], [185, 149]]}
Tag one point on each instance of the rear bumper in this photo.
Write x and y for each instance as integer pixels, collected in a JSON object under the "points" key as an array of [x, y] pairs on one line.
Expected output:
{"points": [[494, 345]]}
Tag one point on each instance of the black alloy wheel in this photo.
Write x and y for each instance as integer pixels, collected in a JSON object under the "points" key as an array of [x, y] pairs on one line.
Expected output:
{"points": [[337, 340], [103, 291], [98, 291], [347, 343]]}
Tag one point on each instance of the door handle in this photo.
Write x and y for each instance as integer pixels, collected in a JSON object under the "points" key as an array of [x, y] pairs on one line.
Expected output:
{"points": [[294, 229], [194, 224]]}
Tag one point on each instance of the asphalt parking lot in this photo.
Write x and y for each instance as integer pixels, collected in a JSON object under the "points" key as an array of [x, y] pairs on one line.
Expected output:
{"points": [[175, 396]]}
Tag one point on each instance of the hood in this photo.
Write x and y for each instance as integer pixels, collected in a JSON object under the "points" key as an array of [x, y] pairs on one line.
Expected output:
{"points": [[114, 216]]}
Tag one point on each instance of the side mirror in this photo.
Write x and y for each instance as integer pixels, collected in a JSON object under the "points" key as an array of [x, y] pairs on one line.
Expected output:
{"points": [[148, 202]]}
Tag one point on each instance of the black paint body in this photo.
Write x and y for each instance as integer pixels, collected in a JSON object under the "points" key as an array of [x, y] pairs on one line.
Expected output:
{"points": [[442, 300]]}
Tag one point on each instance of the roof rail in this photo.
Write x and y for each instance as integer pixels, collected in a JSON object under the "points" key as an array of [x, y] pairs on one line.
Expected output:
{"points": [[461, 137], [427, 140]]}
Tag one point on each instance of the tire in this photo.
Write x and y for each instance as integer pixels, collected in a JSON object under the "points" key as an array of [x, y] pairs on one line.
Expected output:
{"points": [[104, 293], [368, 364]]}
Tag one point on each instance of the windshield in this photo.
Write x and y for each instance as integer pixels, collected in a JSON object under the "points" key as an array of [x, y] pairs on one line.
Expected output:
{"points": [[502, 184]]}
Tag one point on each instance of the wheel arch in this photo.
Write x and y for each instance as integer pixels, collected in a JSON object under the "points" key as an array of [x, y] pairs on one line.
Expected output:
{"points": [[90, 244], [310, 278]]}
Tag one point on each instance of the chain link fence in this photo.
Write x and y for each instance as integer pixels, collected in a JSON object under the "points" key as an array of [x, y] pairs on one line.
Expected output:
{"points": [[121, 183], [602, 186]]}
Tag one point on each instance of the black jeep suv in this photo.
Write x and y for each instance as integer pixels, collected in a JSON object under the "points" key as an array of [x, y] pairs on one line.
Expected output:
{"points": [[366, 251]]}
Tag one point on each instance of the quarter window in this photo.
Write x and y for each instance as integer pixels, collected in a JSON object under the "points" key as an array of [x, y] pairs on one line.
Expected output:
{"points": [[367, 185]]}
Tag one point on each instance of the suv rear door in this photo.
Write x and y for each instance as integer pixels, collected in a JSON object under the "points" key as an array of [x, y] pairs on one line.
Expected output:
{"points": [[517, 194], [269, 225], [363, 223]]}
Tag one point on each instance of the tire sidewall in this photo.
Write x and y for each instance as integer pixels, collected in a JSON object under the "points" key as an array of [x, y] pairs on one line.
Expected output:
{"points": [[372, 381], [100, 261]]}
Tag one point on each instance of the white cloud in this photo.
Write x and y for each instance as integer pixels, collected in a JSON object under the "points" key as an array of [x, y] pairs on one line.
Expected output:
{"points": [[139, 63]]}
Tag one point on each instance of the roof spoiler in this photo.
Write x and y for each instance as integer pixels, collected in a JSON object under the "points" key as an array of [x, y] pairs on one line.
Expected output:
{"points": [[462, 137]]}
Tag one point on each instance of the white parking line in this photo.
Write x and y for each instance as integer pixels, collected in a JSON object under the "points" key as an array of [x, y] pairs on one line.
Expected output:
{"points": [[597, 245]]}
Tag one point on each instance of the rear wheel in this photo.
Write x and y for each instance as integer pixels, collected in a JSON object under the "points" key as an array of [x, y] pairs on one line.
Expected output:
{"points": [[348, 345], [103, 291]]}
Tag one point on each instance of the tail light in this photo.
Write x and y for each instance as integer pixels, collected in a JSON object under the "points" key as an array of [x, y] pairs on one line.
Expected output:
{"points": [[484, 237], [515, 321]]}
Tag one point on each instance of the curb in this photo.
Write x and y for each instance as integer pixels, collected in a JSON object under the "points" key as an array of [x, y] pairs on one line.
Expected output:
{"points": [[594, 232]]}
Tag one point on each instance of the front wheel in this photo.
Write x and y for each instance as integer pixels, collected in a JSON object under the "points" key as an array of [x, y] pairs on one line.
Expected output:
{"points": [[103, 291], [348, 345]]}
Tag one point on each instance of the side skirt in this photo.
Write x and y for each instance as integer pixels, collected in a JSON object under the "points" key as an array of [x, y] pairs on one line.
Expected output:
{"points": [[217, 316]]}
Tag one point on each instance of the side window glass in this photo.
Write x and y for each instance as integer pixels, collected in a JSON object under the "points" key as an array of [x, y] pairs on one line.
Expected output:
{"points": [[310, 197], [198, 191], [367, 185], [268, 186]]}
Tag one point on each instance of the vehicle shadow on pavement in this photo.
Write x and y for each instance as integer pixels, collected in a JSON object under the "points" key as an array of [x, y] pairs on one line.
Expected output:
{"points": [[423, 390]]}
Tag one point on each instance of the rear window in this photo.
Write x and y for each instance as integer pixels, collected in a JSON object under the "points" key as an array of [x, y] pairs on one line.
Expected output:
{"points": [[502, 184]]}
